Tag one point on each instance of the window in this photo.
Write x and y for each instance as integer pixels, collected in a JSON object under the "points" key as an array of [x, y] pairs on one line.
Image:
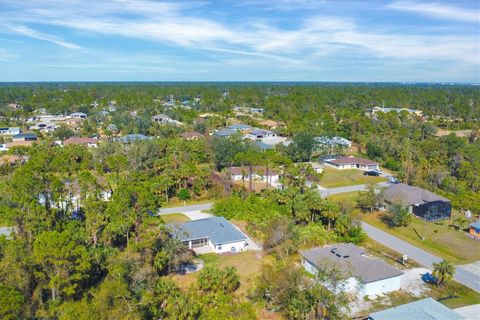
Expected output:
{"points": [[219, 247]]}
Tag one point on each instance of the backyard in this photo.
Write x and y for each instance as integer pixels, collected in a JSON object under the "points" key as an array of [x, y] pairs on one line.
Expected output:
{"points": [[440, 238], [247, 264], [334, 178]]}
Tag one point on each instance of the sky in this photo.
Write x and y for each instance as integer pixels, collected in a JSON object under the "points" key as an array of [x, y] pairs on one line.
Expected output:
{"points": [[240, 40]]}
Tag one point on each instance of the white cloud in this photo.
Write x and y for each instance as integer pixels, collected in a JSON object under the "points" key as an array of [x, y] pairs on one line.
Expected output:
{"points": [[26, 31], [435, 10]]}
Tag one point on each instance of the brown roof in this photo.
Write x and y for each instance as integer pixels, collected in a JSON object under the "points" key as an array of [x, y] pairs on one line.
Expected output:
{"points": [[20, 144], [191, 134], [257, 169], [352, 160], [79, 141]]}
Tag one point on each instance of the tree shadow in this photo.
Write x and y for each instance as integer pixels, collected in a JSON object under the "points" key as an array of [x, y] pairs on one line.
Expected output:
{"points": [[387, 219]]}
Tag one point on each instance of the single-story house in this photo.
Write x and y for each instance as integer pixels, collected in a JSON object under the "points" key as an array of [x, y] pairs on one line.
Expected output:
{"points": [[475, 229], [422, 203], [224, 133], [45, 127], [425, 309], [351, 162], [9, 131], [368, 275], [79, 115], [88, 142], [161, 118], [192, 135], [330, 142], [215, 232], [24, 137], [317, 167], [133, 137], [258, 134], [259, 174], [13, 144], [239, 127], [397, 110]]}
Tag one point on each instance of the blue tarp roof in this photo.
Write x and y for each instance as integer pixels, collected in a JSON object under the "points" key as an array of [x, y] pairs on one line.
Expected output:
{"points": [[217, 229], [425, 309]]}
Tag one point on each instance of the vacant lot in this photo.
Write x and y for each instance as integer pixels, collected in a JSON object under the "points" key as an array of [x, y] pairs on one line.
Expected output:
{"points": [[333, 178], [175, 217], [347, 197], [247, 264], [440, 239]]}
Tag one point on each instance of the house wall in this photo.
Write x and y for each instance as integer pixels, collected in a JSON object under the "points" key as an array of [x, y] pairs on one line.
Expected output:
{"points": [[368, 167], [227, 247], [382, 286]]}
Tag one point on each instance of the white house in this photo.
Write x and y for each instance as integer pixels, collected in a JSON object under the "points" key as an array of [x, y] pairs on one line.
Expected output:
{"points": [[366, 275], [259, 174], [214, 233], [164, 119], [78, 115], [259, 134], [351, 162], [9, 131]]}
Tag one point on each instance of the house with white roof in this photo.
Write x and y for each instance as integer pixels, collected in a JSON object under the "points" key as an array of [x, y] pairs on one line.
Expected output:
{"points": [[215, 233], [9, 131]]}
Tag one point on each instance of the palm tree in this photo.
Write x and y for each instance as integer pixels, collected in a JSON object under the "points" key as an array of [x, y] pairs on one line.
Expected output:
{"points": [[443, 271]]}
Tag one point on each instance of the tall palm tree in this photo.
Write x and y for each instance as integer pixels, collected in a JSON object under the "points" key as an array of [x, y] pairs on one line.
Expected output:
{"points": [[443, 271]]}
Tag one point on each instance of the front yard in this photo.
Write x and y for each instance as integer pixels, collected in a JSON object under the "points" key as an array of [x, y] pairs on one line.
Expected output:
{"points": [[174, 217], [334, 178], [440, 239]]}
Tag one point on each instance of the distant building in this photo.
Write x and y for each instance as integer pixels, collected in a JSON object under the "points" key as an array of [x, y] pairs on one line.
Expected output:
{"points": [[164, 119], [239, 127], [217, 233], [25, 137], [397, 110], [474, 230], [224, 132], [133, 137], [258, 134], [257, 110], [351, 162], [333, 142], [87, 142], [369, 276], [259, 174], [192, 135], [6, 131], [422, 203], [79, 115], [425, 309]]}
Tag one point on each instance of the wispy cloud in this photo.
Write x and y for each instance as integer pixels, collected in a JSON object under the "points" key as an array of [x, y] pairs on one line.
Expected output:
{"points": [[436, 10], [26, 31]]}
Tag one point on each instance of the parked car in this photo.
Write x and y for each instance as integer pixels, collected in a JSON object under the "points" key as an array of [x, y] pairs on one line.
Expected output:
{"points": [[371, 173]]}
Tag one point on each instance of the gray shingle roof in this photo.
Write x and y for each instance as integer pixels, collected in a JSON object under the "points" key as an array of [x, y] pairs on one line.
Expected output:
{"points": [[217, 229], [225, 132], [351, 259], [407, 195], [425, 309]]}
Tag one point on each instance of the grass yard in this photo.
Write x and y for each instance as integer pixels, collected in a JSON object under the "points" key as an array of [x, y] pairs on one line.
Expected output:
{"points": [[333, 178], [178, 203], [175, 217], [247, 264], [388, 255], [440, 239], [347, 197]]}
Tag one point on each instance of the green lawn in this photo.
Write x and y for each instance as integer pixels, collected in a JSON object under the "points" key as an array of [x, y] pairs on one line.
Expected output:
{"points": [[247, 264], [175, 217], [178, 203], [348, 197], [333, 178], [440, 239]]}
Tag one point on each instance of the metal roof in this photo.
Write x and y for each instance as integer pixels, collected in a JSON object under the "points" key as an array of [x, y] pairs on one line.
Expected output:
{"points": [[425, 309], [353, 260], [217, 229], [475, 225], [225, 132]]}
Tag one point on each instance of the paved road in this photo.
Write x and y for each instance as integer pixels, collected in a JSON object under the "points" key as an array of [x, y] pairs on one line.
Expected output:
{"points": [[328, 192], [462, 275], [183, 209]]}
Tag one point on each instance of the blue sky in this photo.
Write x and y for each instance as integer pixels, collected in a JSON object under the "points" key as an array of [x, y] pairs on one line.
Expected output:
{"points": [[249, 40]]}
